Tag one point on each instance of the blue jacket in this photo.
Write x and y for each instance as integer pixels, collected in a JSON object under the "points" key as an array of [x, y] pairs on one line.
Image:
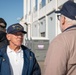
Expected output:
{"points": [[30, 67]]}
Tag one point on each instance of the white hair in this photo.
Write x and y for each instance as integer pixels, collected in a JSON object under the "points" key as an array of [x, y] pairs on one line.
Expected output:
{"points": [[70, 20]]}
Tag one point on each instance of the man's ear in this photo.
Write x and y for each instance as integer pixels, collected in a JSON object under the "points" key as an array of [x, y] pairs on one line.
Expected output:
{"points": [[63, 20], [8, 36]]}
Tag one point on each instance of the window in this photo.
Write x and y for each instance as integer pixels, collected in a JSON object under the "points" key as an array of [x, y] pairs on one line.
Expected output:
{"points": [[43, 3], [36, 6], [42, 34]]}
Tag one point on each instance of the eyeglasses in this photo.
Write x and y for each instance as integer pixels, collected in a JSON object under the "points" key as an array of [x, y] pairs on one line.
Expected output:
{"points": [[58, 16]]}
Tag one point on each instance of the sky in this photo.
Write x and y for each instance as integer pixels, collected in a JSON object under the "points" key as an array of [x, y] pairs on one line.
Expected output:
{"points": [[11, 11]]}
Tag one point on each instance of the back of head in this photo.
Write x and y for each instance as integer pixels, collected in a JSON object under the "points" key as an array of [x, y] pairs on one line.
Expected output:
{"points": [[69, 10]]}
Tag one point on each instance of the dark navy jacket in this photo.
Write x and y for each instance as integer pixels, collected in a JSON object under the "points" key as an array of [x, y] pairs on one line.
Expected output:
{"points": [[30, 67], [3, 39]]}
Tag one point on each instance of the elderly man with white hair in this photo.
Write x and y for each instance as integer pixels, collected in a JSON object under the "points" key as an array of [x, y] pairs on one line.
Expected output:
{"points": [[61, 55]]}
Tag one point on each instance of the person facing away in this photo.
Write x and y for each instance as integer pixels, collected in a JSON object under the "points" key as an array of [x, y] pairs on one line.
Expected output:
{"points": [[3, 40], [16, 59], [61, 55]]}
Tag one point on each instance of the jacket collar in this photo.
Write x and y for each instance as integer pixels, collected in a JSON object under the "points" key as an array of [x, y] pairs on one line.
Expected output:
{"points": [[3, 54], [74, 26]]}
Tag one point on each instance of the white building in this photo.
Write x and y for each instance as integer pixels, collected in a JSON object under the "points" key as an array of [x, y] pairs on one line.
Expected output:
{"points": [[41, 18], [40, 21]]}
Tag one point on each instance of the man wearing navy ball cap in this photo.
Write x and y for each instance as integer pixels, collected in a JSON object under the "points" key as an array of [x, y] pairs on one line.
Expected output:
{"points": [[16, 59], [61, 55], [15, 28]]}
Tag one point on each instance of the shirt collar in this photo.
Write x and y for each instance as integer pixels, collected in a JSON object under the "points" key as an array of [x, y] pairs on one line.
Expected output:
{"points": [[11, 50], [20, 51]]}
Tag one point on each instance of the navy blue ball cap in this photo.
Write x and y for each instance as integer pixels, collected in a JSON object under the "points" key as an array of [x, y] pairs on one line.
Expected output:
{"points": [[68, 9], [15, 28]]}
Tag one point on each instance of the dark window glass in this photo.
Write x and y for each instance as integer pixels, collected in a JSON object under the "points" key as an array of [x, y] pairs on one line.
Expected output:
{"points": [[43, 3], [36, 2]]}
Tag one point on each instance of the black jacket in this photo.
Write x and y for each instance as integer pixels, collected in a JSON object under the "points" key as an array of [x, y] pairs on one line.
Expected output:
{"points": [[3, 39]]}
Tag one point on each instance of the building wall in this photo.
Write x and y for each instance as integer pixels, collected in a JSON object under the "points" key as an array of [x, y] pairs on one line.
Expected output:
{"points": [[42, 21], [41, 24], [51, 26], [35, 29]]}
